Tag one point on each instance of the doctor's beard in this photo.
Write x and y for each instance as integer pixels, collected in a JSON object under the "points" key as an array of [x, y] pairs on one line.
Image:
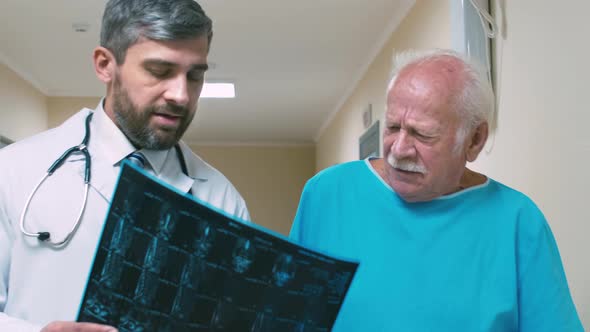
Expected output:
{"points": [[135, 122]]}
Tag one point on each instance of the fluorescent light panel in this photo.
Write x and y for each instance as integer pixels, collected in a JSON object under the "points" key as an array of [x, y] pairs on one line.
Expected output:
{"points": [[218, 90]]}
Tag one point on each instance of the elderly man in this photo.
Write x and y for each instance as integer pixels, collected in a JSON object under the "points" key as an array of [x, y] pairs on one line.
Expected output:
{"points": [[441, 247]]}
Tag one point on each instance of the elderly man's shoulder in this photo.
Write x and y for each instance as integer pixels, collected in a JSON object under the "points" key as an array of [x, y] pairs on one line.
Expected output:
{"points": [[509, 193], [510, 201]]}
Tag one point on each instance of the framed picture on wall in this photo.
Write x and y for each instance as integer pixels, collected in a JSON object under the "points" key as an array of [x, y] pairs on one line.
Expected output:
{"points": [[4, 141], [369, 142]]}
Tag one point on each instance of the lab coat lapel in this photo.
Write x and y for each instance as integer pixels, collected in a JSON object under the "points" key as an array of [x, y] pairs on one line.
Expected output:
{"points": [[103, 176], [107, 147]]}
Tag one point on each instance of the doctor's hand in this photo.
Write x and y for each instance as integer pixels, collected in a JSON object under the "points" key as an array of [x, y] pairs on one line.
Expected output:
{"points": [[77, 327]]}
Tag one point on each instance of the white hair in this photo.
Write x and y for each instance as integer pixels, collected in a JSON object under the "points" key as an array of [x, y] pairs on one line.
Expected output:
{"points": [[475, 104]]}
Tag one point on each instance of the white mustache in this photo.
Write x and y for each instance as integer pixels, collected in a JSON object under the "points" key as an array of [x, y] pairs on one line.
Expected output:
{"points": [[405, 165]]}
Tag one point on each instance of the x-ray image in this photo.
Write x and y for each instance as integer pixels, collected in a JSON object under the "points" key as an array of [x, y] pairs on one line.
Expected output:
{"points": [[203, 240], [283, 271], [147, 285], [134, 320], [167, 262], [166, 222], [132, 203], [112, 269], [192, 273], [243, 255]]}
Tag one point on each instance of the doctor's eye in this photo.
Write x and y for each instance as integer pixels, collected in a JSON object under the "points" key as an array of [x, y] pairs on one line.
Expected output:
{"points": [[196, 76], [159, 72]]}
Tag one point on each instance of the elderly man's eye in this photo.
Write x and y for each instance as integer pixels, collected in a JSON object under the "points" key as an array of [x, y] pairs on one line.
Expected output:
{"points": [[422, 136], [393, 128]]}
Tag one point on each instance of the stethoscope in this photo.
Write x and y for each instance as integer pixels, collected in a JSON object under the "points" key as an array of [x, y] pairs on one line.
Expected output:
{"points": [[80, 148]]}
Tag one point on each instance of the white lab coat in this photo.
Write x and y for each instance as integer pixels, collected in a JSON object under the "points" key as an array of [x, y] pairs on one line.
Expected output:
{"points": [[40, 284]]}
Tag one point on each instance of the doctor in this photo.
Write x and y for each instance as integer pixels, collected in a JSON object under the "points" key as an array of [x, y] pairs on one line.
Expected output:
{"points": [[152, 58]]}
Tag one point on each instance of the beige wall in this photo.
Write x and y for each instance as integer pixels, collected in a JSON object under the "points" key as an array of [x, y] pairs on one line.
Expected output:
{"points": [[269, 178], [542, 145], [23, 109], [61, 108], [427, 25]]}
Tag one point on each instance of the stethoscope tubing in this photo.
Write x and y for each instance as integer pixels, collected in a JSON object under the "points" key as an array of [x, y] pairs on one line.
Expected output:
{"points": [[45, 236], [81, 148]]}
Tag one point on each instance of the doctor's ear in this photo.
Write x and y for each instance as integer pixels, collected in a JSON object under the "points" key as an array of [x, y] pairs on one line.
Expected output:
{"points": [[104, 64]]}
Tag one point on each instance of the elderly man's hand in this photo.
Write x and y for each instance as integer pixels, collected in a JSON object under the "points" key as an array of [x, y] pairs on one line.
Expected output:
{"points": [[77, 327]]}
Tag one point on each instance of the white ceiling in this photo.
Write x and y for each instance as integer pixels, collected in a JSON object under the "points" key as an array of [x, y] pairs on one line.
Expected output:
{"points": [[293, 62]]}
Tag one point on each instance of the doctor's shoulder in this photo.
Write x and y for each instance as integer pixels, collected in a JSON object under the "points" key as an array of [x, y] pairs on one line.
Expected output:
{"points": [[48, 144]]}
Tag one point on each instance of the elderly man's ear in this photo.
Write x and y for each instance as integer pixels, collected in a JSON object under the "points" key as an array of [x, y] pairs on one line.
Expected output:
{"points": [[476, 142]]}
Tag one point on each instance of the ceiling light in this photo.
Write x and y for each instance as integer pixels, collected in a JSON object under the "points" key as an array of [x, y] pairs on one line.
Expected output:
{"points": [[218, 90]]}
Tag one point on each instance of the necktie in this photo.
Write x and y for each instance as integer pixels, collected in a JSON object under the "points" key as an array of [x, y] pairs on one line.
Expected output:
{"points": [[137, 159]]}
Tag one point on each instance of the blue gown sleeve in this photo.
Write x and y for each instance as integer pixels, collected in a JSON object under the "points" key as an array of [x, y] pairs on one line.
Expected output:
{"points": [[544, 300], [297, 227]]}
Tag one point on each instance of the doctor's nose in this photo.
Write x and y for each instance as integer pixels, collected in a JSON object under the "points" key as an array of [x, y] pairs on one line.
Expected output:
{"points": [[177, 91]]}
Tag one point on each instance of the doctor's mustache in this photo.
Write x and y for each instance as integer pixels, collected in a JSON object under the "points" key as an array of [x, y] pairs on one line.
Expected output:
{"points": [[169, 109]]}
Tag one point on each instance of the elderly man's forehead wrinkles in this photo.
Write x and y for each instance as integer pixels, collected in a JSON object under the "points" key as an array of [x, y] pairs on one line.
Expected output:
{"points": [[446, 69], [419, 90], [428, 83]]}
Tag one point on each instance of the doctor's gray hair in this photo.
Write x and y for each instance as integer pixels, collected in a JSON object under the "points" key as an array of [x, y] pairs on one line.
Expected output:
{"points": [[475, 103], [125, 21]]}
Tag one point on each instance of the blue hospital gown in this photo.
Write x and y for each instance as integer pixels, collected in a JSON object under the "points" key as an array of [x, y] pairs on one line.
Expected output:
{"points": [[483, 259]]}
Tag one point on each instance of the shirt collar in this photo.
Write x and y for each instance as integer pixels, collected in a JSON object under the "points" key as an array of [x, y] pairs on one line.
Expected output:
{"points": [[156, 158]]}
